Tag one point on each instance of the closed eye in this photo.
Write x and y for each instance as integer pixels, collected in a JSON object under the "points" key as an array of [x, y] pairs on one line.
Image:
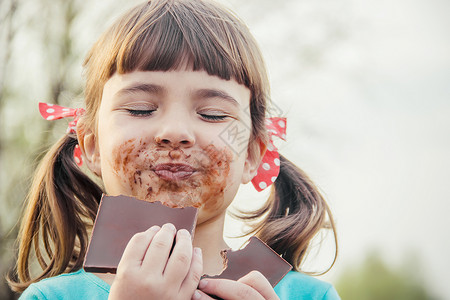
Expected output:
{"points": [[141, 113], [213, 117]]}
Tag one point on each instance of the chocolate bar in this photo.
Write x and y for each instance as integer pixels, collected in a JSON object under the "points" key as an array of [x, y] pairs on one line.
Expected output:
{"points": [[258, 256], [119, 218]]}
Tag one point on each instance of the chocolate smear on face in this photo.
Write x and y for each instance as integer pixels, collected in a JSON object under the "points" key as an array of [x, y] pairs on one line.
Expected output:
{"points": [[135, 160]]}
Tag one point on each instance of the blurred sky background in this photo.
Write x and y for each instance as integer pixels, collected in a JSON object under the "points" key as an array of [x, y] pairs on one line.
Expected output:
{"points": [[365, 86]]}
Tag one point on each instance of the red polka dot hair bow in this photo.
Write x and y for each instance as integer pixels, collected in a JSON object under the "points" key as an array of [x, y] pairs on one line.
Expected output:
{"points": [[54, 112], [269, 168]]}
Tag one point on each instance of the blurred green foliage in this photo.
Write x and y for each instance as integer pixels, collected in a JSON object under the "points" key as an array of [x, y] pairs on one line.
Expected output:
{"points": [[374, 279]]}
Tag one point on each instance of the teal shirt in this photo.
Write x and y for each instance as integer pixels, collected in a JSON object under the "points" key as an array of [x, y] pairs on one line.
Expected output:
{"points": [[83, 285], [299, 286]]}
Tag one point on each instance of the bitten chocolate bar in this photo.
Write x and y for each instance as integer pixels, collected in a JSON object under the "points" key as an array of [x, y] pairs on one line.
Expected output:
{"points": [[119, 218], [256, 255]]}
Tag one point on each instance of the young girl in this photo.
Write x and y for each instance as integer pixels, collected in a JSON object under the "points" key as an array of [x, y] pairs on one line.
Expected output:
{"points": [[166, 86]]}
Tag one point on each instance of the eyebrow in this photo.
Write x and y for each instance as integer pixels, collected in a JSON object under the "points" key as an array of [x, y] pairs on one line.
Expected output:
{"points": [[156, 89], [213, 93], [140, 87]]}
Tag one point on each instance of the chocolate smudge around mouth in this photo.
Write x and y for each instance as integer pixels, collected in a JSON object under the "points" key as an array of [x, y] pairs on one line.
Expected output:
{"points": [[134, 160]]}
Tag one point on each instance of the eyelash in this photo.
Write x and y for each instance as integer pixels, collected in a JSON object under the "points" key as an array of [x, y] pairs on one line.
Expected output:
{"points": [[141, 112], [213, 117]]}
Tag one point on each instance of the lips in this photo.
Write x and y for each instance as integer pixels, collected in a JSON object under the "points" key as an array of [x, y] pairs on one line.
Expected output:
{"points": [[174, 171]]}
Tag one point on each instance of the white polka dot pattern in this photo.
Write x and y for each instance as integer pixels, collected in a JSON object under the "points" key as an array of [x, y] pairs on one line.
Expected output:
{"points": [[52, 112], [276, 161], [269, 168], [77, 156]]}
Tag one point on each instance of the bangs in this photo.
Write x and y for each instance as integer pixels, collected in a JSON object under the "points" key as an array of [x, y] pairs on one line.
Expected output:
{"points": [[171, 36], [165, 35]]}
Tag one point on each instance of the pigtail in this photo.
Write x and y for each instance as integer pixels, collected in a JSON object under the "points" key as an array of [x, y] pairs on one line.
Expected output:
{"points": [[294, 213], [61, 205]]}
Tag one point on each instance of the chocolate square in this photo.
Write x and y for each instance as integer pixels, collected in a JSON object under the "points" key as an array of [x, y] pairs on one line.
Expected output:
{"points": [[119, 218], [258, 256]]}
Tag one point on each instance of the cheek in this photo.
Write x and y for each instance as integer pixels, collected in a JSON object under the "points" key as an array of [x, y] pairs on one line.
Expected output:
{"points": [[130, 161], [215, 166]]}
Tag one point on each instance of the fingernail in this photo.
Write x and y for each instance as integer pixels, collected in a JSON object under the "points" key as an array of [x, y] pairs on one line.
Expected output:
{"points": [[198, 251], [154, 228], [184, 232], [197, 295], [202, 284], [170, 227]]}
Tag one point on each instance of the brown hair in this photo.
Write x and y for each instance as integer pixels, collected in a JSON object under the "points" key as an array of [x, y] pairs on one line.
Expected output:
{"points": [[157, 35], [294, 213], [61, 204]]}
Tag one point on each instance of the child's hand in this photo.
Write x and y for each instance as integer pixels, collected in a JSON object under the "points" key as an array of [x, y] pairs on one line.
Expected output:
{"points": [[146, 271], [252, 286]]}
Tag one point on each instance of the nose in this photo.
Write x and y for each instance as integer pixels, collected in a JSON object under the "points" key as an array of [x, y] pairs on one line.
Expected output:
{"points": [[175, 133]]}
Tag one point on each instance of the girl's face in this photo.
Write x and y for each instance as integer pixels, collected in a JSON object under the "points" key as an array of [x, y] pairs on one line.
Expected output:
{"points": [[175, 137]]}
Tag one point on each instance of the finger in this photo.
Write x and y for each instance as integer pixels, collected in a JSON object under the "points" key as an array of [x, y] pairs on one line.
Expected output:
{"points": [[260, 283], [180, 260], [158, 252], [136, 248], [199, 295], [195, 273], [229, 289]]}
